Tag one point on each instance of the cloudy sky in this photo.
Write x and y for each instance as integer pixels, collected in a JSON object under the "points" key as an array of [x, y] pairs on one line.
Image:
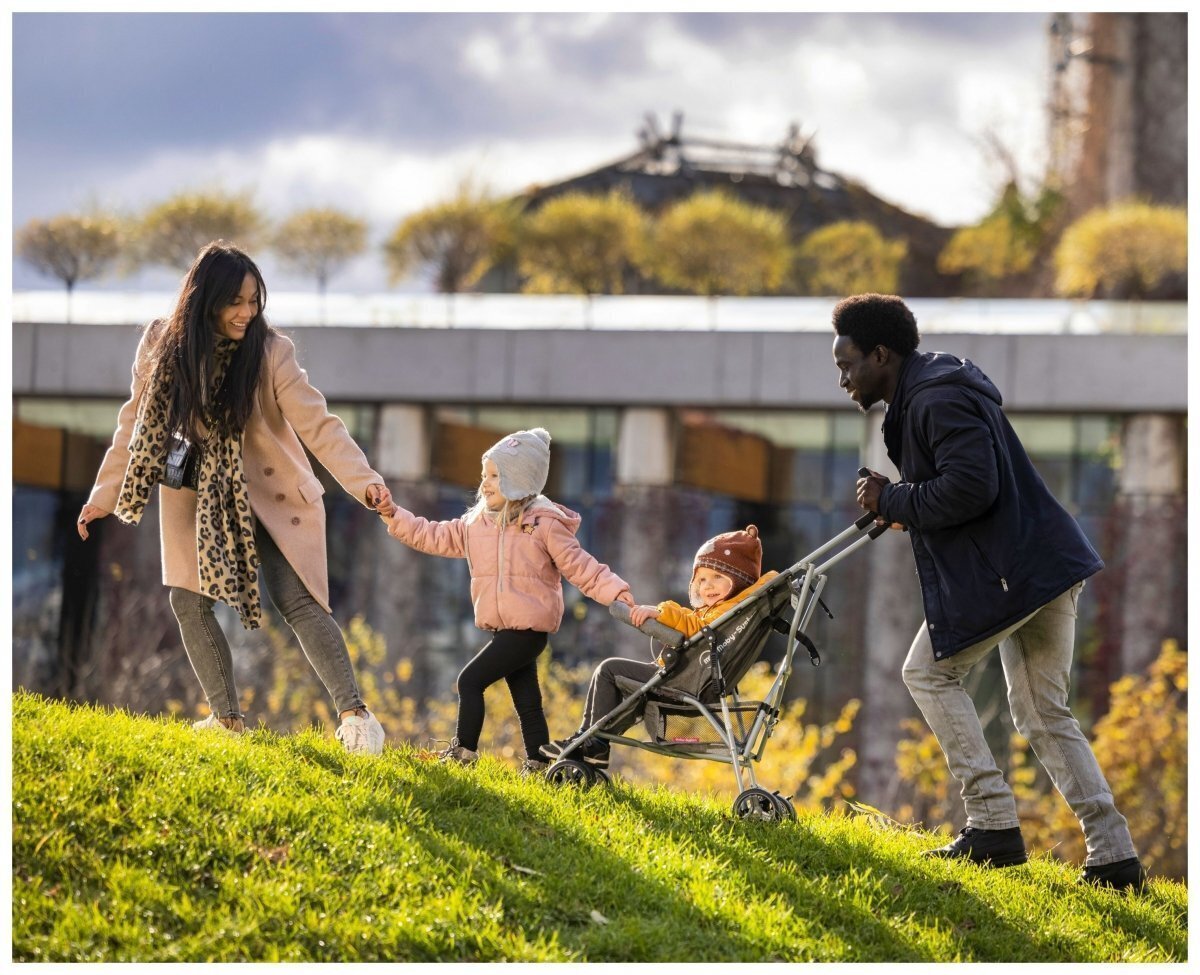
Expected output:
{"points": [[381, 114]]}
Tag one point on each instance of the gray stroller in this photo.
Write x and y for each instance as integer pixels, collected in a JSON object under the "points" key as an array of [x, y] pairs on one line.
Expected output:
{"points": [[690, 706]]}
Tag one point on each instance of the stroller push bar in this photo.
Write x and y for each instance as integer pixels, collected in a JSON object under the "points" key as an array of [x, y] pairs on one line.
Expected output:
{"points": [[690, 705]]}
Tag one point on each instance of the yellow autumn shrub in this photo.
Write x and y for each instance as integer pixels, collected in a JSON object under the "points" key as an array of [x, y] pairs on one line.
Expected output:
{"points": [[807, 761]]}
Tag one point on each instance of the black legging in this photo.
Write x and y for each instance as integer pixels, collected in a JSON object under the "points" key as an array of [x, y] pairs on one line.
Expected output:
{"points": [[511, 655]]}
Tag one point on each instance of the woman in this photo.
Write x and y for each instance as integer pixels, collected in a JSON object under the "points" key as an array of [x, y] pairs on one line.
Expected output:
{"points": [[216, 374]]}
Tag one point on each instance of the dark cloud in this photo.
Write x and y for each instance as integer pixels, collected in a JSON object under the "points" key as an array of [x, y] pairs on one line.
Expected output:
{"points": [[124, 84]]}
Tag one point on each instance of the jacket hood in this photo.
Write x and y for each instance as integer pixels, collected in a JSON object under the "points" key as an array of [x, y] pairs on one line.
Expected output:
{"points": [[543, 507], [925, 369]]}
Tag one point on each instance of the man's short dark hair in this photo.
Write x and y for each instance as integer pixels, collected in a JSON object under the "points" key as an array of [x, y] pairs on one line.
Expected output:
{"points": [[870, 320]]}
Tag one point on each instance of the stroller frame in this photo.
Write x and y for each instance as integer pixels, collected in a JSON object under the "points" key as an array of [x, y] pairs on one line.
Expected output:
{"points": [[806, 580]]}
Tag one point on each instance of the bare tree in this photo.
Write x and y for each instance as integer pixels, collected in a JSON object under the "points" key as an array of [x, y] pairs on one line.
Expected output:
{"points": [[319, 243], [172, 232], [70, 247]]}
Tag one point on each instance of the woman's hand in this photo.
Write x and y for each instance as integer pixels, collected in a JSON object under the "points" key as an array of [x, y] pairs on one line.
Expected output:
{"points": [[639, 614], [380, 498], [625, 598], [89, 513]]}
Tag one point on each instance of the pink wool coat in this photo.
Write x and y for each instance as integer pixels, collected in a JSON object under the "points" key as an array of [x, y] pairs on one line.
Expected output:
{"points": [[515, 572], [285, 494]]}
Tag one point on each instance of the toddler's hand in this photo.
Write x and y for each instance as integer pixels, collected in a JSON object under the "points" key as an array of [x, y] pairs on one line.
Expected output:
{"points": [[640, 614]]}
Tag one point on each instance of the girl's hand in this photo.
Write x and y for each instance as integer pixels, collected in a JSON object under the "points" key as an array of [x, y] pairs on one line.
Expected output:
{"points": [[380, 498], [89, 513], [626, 598], [393, 523], [639, 614]]}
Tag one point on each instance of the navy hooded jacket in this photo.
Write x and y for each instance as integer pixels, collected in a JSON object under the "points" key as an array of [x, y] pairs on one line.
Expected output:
{"points": [[992, 544]]}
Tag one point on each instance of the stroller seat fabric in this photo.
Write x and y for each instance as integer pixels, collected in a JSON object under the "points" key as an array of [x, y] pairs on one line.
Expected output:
{"points": [[712, 659]]}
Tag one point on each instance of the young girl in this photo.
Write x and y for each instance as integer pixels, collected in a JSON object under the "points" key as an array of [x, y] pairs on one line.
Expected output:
{"points": [[517, 544], [724, 572]]}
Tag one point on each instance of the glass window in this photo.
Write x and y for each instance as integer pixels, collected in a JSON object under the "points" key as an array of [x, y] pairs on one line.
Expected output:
{"points": [[91, 417]]}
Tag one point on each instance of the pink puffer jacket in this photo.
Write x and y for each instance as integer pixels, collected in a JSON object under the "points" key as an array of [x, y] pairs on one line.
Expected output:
{"points": [[515, 573]]}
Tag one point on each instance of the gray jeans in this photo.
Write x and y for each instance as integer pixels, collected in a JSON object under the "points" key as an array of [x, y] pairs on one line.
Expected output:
{"points": [[319, 635], [1036, 656]]}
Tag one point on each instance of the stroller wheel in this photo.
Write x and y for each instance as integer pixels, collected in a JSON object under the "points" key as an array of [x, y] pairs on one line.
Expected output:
{"points": [[570, 772], [787, 812], [600, 775], [758, 804]]}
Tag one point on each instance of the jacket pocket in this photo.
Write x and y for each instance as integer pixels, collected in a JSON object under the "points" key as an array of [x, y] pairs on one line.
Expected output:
{"points": [[311, 489], [996, 573]]}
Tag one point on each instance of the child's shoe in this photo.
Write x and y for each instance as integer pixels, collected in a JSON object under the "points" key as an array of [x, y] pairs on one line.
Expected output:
{"points": [[593, 751], [456, 753], [212, 722], [532, 767], [361, 735]]}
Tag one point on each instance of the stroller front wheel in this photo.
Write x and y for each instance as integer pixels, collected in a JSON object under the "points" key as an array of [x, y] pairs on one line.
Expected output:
{"points": [[759, 804], [567, 771]]}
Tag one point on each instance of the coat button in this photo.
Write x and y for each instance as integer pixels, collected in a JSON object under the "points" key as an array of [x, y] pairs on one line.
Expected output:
{"points": [[295, 521], [281, 497], [268, 471]]}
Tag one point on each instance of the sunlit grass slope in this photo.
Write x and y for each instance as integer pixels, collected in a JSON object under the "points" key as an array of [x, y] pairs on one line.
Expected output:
{"points": [[137, 839]]}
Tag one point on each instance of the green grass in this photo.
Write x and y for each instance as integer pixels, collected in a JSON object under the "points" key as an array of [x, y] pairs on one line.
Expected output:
{"points": [[137, 839]]}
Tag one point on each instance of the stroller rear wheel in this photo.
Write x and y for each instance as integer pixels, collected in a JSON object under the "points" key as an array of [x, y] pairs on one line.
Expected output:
{"points": [[787, 812], [759, 804], [570, 772]]}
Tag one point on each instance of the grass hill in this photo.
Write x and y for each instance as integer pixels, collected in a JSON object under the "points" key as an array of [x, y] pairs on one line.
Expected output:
{"points": [[138, 839]]}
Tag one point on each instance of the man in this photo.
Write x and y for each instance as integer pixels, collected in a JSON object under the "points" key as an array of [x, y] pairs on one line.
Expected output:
{"points": [[1000, 562]]}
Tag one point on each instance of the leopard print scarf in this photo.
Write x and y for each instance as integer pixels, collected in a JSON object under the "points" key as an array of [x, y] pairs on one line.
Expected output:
{"points": [[225, 551]]}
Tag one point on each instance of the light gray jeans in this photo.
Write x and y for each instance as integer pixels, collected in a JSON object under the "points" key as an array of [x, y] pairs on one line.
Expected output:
{"points": [[1036, 656], [319, 635]]}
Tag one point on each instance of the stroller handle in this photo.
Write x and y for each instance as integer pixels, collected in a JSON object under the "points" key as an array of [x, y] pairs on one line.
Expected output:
{"points": [[870, 516], [660, 631]]}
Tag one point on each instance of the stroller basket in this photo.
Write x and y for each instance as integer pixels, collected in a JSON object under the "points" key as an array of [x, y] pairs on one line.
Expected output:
{"points": [[685, 728]]}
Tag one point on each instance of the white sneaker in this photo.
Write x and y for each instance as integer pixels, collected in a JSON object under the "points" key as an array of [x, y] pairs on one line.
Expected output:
{"points": [[361, 735], [212, 723]]}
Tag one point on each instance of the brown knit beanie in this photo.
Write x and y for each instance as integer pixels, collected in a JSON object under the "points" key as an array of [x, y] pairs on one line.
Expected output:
{"points": [[735, 554]]}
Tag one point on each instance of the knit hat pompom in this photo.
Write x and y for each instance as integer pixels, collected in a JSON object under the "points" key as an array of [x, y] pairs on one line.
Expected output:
{"points": [[737, 554], [523, 460]]}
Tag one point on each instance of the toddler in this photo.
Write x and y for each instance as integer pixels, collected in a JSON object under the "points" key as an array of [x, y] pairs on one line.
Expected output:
{"points": [[725, 571]]}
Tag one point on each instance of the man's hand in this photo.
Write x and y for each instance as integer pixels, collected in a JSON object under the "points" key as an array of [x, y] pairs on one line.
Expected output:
{"points": [[639, 614], [869, 489]]}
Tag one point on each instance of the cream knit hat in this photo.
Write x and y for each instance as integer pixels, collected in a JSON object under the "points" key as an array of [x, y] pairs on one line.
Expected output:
{"points": [[523, 460]]}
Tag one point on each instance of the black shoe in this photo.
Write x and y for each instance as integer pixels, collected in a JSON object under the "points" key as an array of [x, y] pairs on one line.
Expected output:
{"points": [[592, 751], [1122, 875], [987, 847]]}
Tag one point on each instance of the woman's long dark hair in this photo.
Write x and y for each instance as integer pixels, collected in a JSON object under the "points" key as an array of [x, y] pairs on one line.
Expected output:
{"points": [[183, 350]]}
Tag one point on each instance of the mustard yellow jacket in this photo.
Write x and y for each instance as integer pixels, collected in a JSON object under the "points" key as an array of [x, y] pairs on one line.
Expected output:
{"points": [[689, 622]]}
